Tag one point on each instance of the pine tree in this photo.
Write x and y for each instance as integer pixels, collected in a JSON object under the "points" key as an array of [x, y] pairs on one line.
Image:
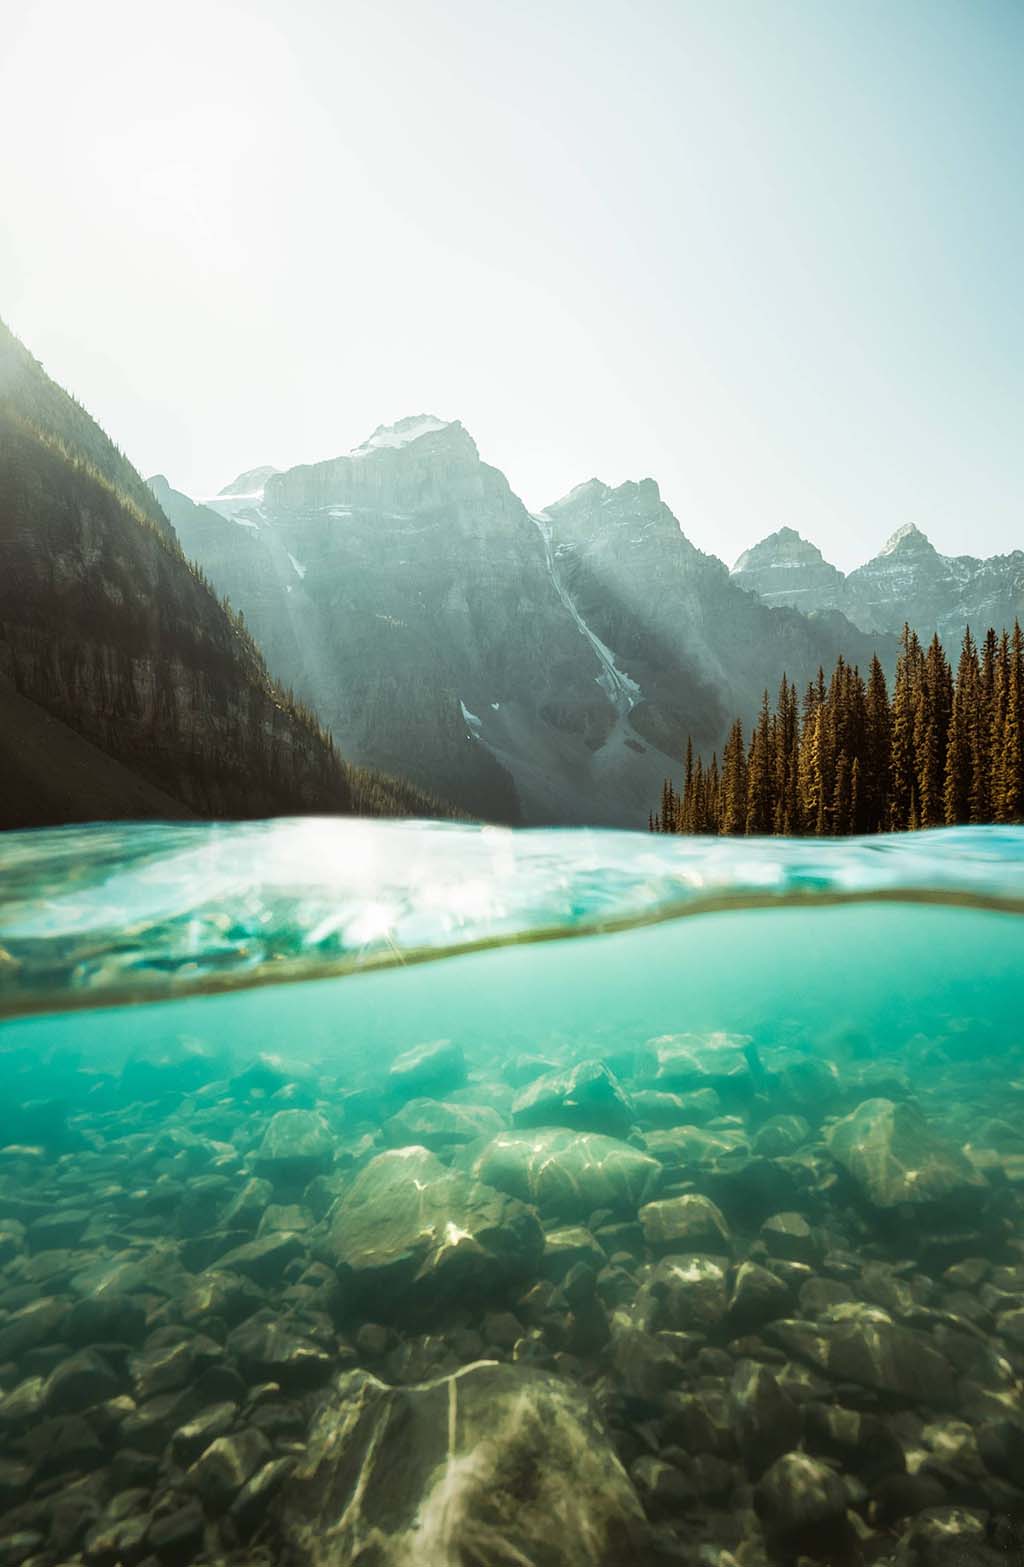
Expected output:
{"points": [[687, 811], [733, 809], [903, 773], [959, 788], [760, 774], [874, 789], [1009, 784]]}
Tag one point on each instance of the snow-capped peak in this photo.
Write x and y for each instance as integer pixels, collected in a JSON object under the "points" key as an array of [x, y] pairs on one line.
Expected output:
{"points": [[390, 436]]}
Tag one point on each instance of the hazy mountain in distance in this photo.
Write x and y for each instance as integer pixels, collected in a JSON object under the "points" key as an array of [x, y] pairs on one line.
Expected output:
{"points": [[908, 580]]}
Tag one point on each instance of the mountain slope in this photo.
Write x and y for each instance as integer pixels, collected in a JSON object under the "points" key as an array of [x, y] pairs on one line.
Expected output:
{"points": [[541, 668], [49, 774], [106, 628], [907, 581], [695, 643]]}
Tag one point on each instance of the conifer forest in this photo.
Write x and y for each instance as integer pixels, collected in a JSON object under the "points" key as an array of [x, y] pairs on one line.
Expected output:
{"points": [[850, 757]]}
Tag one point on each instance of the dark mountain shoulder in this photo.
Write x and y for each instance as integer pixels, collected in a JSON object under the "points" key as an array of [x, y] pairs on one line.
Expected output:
{"points": [[105, 627], [50, 775], [28, 393]]}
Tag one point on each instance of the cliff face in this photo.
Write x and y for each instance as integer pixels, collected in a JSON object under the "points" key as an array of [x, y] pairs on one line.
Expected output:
{"points": [[698, 646], [106, 628], [542, 668], [907, 581]]}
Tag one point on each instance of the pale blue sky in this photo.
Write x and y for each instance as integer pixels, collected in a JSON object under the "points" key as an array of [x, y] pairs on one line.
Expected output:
{"points": [[769, 253]]}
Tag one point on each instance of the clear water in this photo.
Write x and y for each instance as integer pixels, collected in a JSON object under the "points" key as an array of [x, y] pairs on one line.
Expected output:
{"points": [[890, 960]]}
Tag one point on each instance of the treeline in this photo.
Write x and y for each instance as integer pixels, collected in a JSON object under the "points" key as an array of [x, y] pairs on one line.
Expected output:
{"points": [[851, 758]]}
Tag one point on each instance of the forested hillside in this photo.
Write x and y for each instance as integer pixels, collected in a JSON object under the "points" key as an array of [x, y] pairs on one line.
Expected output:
{"points": [[106, 627], [944, 748]]}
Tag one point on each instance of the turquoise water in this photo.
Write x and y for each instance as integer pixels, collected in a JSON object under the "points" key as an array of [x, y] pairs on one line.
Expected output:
{"points": [[166, 992]]}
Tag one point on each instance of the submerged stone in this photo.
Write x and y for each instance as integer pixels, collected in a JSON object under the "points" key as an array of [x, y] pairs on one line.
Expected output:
{"points": [[656, 1108], [409, 1233], [683, 1061], [687, 1223], [895, 1157], [684, 1294], [568, 1174], [297, 1145], [586, 1097], [435, 1067], [435, 1124], [801, 1503], [495, 1463]]}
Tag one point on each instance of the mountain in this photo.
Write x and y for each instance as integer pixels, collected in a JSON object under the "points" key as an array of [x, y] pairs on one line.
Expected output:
{"points": [[539, 668], [908, 580], [786, 569], [120, 667]]}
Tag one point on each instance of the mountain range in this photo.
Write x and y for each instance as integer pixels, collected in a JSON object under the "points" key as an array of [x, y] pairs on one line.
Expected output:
{"points": [[908, 581], [397, 606], [532, 667]]}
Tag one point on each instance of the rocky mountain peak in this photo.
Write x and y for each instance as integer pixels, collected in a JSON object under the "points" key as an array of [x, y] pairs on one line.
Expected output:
{"points": [[908, 541], [392, 437], [784, 546]]}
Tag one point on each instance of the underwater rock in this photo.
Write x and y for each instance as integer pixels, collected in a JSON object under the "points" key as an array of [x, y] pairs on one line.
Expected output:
{"points": [[684, 1294], [567, 1174], [436, 1124], [757, 1297], [766, 1421], [429, 1069], [683, 1061], [565, 1247], [862, 1344], [806, 1086], [247, 1206], [801, 1503], [781, 1135], [586, 1098], [495, 1463], [859, 1440], [265, 1259], [219, 1473], [953, 1537], [678, 1147], [685, 1224], [269, 1348], [658, 1109], [895, 1157], [409, 1234], [297, 1145], [176, 1537], [790, 1237]]}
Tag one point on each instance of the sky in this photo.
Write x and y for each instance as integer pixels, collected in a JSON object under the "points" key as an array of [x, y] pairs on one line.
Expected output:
{"points": [[765, 251]]}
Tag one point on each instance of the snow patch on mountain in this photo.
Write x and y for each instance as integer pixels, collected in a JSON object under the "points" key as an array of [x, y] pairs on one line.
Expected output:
{"points": [[391, 437]]}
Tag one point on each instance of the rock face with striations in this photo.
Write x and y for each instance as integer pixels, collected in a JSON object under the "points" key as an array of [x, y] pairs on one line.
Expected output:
{"points": [[543, 668], [496, 1463]]}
